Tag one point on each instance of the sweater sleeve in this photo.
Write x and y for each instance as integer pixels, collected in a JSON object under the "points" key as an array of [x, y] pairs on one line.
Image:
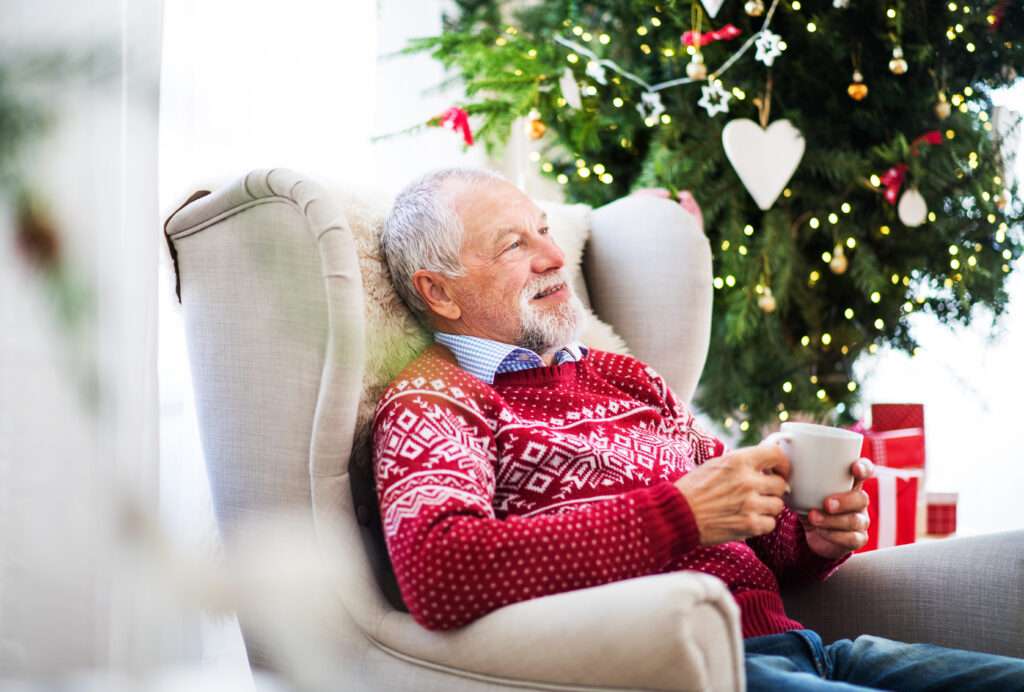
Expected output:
{"points": [[787, 554], [454, 560], [784, 550]]}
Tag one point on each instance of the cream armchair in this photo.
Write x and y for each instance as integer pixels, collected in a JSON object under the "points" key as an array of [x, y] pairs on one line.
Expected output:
{"points": [[273, 307]]}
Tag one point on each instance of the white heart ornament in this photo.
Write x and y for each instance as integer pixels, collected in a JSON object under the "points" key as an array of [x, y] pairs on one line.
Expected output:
{"points": [[764, 159], [912, 209], [712, 6]]}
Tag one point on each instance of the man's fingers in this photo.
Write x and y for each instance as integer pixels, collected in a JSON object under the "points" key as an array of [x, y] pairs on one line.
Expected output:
{"points": [[771, 457], [768, 505], [851, 540], [770, 484], [858, 521], [762, 525], [862, 469], [852, 501]]}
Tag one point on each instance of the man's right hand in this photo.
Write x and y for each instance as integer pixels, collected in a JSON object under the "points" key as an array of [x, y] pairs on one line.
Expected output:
{"points": [[737, 495]]}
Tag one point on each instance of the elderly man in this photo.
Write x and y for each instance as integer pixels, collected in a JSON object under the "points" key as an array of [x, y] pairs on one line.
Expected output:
{"points": [[513, 462]]}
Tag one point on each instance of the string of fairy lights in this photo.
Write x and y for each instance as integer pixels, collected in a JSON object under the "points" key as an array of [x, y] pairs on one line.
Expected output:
{"points": [[650, 108]]}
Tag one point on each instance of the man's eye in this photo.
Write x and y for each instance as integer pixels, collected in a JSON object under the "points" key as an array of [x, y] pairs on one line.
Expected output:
{"points": [[544, 231], [513, 246]]}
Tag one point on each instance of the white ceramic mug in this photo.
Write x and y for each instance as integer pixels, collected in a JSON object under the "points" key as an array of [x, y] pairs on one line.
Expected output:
{"points": [[820, 458]]}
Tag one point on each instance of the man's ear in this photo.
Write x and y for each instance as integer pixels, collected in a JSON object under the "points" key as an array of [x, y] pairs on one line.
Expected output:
{"points": [[435, 290]]}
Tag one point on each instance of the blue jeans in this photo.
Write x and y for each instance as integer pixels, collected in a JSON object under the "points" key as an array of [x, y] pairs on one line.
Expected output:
{"points": [[798, 660]]}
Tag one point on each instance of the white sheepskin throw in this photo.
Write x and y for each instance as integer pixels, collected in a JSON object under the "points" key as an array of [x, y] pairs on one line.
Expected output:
{"points": [[394, 337]]}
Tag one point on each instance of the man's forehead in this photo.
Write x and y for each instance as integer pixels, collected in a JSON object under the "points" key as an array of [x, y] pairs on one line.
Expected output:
{"points": [[489, 210], [519, 219]]}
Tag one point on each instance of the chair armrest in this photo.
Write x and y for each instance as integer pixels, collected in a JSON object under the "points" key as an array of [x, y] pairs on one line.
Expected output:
{"points": [[965, 593], [676, 631]]}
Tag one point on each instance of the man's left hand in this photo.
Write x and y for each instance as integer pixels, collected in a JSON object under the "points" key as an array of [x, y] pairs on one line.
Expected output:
{"points": [[841, 526]]}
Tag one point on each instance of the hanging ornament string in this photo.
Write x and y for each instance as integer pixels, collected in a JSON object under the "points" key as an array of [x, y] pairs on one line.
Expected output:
{"points": [[766, 301], [764, 105], [610, 64], [696, 69]]}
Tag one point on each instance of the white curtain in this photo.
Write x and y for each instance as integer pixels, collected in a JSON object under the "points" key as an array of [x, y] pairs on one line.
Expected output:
{"points": [[78, 404]]}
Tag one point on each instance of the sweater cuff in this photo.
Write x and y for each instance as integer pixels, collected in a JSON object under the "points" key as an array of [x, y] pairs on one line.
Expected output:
{"points": [[668, 521], [813, 567]]}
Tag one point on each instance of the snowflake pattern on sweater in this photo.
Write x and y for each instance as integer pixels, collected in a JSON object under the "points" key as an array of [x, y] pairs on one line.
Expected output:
{"points": [[554, 479]]}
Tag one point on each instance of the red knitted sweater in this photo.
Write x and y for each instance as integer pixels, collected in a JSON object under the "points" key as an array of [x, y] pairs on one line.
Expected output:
{"points": [[554, 479]]}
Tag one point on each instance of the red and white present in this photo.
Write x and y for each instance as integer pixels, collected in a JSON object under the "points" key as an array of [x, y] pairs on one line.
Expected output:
{"points": [[901, 449], [942, 513], [892, 507], [896, 436]]}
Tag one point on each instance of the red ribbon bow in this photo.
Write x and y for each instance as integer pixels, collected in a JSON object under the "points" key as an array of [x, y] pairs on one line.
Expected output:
{"points": [[893, 181], [893, 178], [726, 33], [458, 120], [998, 15], [932, 137]]}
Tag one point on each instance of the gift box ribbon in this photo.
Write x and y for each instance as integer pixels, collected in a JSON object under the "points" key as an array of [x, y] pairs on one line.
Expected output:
{"points": [[887, 481]]}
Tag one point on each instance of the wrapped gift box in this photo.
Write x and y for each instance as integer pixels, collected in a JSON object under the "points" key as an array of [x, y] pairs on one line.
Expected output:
{"points": [[897, 416], [901, 449], [896, 436], [892, 507], [942, 513]]}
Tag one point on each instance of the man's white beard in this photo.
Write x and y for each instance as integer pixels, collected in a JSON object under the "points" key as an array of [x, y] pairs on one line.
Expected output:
{"points": [[544, 330]]}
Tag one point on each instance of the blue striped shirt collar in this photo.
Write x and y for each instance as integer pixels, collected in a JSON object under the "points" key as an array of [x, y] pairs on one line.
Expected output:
{"points": [[486, 358]]}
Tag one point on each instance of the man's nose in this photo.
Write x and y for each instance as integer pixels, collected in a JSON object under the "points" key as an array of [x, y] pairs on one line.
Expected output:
{"points": [[549, 256]]}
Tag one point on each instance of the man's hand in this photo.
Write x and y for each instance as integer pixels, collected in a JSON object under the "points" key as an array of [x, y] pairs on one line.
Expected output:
{"points": [[737, 495], [841, 526]]}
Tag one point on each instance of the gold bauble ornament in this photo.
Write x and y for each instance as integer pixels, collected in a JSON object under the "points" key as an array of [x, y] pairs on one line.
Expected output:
{"points": [[857, 90], [754, 8], [536, 128], [898, 65], [839, 262], [767, 301], [1002, 200], [942, 107], [696, 69]]}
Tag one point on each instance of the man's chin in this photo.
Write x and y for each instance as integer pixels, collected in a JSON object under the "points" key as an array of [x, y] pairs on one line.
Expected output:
{"points": [[549, 331]]}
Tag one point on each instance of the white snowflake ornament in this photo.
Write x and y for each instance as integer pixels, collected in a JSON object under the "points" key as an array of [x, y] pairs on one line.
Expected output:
{"points": [[769, 46], [714, 98], [840, 4], [650, 105], [596, 72]]}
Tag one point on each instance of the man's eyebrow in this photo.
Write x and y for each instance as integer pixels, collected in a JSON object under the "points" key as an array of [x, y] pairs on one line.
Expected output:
{"points": [[502, 230]]}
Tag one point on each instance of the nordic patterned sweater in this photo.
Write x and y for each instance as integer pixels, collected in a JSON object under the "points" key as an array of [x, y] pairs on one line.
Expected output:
{"points": [[554, 479]]}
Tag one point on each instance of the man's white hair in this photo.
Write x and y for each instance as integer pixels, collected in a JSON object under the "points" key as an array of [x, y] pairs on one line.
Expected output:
{"points": [[423, 231]]}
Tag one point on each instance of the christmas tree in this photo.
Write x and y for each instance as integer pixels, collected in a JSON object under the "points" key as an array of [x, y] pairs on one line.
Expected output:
{"points": [[846, 154]]}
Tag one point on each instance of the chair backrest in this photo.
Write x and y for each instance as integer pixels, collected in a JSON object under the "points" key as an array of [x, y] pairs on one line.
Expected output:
{"points": [[273, 306]]}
